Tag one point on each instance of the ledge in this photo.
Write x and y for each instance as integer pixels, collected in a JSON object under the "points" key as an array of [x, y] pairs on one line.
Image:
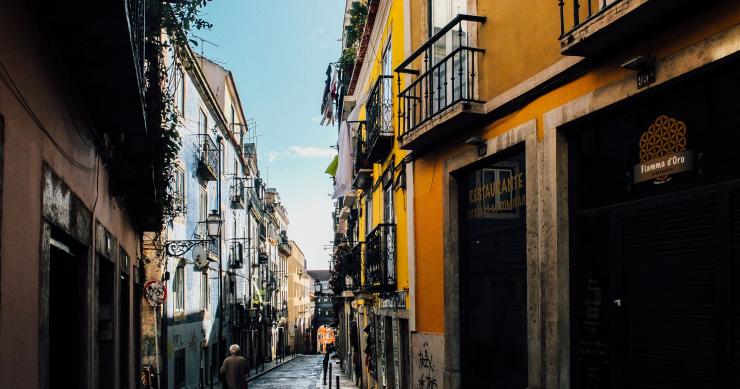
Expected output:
{"points": [[440, 127]]}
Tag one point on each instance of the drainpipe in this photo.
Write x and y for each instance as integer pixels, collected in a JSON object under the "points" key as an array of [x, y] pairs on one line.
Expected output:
{"points": [[220, 254]]}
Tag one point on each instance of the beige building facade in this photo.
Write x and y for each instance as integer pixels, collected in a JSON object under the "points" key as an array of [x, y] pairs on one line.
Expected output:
{"points": [[299, 301]]}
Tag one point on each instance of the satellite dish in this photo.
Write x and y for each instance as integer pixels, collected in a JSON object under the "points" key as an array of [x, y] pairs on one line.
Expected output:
{"points": [[200, 257]]}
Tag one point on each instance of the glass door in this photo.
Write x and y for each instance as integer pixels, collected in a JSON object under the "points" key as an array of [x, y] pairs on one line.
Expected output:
{"points": [[448, 81]]}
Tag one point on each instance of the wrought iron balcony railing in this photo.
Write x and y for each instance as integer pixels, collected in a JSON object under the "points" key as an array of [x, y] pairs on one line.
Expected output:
{"points": [[575, 13], [136, 12], [448, 76], [380, 258], [237, 194], [379, 119], [353, 266], [213, 247], [207, 158], [360, 150], [236, 255]]}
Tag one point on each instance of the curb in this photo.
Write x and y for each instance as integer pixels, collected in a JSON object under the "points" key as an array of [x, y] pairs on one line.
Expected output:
{"points": [[260, 374]]}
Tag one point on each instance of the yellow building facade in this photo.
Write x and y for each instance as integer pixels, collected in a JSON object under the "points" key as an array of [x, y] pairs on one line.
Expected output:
{"points": [[371, 246], [558, 150]]}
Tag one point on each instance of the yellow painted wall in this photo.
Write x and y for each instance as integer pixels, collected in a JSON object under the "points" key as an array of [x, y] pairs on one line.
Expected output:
{"points": [[392, 29], [525, 37]]}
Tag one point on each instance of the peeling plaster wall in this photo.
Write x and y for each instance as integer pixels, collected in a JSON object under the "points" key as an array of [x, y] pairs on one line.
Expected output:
{"points": [[26, 151]]}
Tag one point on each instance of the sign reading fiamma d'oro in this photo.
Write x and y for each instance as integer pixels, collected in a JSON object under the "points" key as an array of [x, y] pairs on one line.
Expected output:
{"points": [[497, 192], [663, 151]]}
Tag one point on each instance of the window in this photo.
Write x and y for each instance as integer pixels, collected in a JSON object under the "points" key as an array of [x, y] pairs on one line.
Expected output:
{"points": [[441, 13], [388, 202], [179, 289], [180, 91], [203, 122], [369, 213], [178, 189], [202, 211], [204, 291], [233, 120], [387, 69]]}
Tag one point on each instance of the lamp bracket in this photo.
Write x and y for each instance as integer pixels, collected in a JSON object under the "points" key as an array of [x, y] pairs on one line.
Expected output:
{"points": [[178, 248]]}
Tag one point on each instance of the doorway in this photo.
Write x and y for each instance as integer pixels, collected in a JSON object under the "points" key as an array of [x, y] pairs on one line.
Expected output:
{"points": [[67, 313], [105, 297], [493, 274]]}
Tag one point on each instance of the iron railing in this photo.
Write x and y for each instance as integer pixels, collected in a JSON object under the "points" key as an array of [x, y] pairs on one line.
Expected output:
{"points": [[575, 13], [353, 266], [236, 255], [213, 247], [360, 150], [380, 258], [379, 118], [207, 158], [445, 79], [136, 15], [237, 193]]}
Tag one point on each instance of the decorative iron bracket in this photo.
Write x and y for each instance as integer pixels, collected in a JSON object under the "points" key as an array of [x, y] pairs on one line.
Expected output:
{"points": [[177, 248]]}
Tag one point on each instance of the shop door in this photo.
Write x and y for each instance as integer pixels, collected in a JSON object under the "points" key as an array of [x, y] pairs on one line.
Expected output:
{"points": [[493, 276], [668, 299], [653, 289]]}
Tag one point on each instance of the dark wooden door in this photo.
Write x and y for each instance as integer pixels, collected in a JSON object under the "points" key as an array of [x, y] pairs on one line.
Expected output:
{"points": [[494, 326]]}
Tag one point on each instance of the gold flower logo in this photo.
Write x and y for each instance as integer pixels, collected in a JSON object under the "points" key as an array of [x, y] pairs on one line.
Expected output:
{"points": [[665, 136]]}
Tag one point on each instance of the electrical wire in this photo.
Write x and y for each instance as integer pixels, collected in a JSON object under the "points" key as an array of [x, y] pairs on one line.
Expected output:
{"points": [[10, 83]]}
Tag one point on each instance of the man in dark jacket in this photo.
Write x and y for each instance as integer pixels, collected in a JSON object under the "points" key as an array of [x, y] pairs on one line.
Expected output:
{"points": [[235, 369]]}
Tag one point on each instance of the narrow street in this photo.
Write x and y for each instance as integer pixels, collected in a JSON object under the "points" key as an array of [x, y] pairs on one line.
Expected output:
{"points": [[301, 373]]}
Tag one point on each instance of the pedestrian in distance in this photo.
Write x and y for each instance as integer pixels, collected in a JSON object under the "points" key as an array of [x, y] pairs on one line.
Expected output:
{"points": [[235, 369]]}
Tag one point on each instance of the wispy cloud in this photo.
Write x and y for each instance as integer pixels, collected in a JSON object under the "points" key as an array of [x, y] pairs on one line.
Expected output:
{"points": [[317, 38], [301, 152]]}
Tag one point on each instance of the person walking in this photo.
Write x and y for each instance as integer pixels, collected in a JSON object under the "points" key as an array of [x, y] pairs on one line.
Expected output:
{"points": [[235, 369]]}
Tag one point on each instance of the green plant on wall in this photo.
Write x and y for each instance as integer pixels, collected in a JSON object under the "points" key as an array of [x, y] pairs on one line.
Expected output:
{"points": [[168, 24], [353, 32]]}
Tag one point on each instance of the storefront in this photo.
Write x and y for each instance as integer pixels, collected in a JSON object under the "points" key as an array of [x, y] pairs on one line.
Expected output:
{"points": [[493, 272], [654, 200]]}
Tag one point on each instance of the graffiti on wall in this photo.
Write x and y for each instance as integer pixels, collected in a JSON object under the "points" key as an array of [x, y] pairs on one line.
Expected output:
{"points": [[427, 378], [427, 363]]}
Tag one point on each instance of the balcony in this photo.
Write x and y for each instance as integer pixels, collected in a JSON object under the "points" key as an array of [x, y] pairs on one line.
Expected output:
{"points": [[380, 259], [207, 153], [262, 255], [443, 98], [284, 245], [379, 124], [236, 255], [213, 248], [352, 263], [590, 27], [237, 194]]}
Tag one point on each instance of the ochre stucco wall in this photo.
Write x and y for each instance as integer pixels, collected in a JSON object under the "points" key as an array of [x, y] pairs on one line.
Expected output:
{"points": [[523, 52]]}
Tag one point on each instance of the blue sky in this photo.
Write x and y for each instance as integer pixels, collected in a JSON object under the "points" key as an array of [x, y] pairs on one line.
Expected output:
{"points": [[278, 51]]}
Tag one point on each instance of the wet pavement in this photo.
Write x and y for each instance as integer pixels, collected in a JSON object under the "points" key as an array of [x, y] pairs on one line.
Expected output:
{"points": [[301, 373]]}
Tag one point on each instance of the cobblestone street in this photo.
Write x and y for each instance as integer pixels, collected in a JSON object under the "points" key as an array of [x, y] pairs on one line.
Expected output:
{"points": [[302, 373]]}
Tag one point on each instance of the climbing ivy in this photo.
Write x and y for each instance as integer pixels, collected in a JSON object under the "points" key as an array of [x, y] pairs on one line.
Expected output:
{"points": [[169, 25]]}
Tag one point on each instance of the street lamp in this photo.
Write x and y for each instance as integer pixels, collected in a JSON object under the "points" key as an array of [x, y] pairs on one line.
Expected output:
{"points": [[285, 308], [213, 222]]}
